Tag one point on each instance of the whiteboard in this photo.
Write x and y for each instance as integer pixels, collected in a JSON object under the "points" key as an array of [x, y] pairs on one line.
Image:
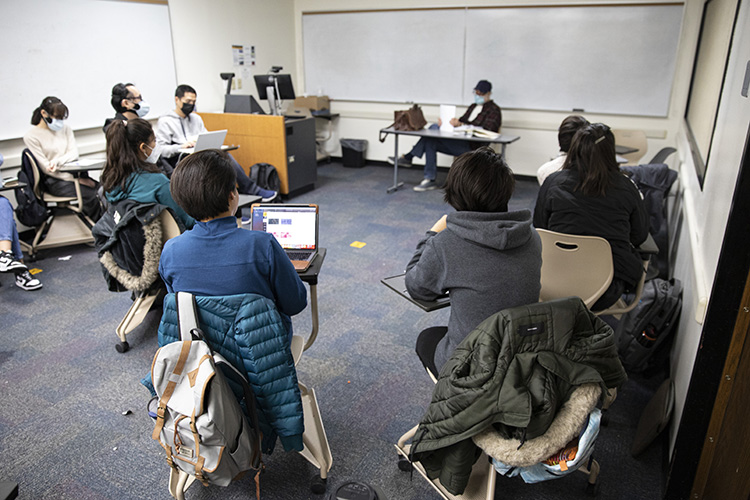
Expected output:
{"points": [[78, 50], [615, 59]]}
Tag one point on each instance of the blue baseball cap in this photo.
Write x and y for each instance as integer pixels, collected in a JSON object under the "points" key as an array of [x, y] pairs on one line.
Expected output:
{"points": [[483, 87]]}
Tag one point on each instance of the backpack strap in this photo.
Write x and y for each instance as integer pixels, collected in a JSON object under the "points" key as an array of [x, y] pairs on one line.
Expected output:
{"points": [[187, 316]]}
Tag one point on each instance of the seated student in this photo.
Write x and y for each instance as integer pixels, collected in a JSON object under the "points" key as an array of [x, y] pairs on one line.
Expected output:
{"points": [[216, 257], [591, 197], [11, 255], [130, 171], [486, 257], [565, 133], [176, 130], [128, 103], [482, 113], [52, 143]]}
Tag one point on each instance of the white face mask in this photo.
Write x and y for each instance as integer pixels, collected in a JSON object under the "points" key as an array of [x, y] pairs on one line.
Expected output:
{"points": [[54, 124], [479, 99], [143, 109], [154, 156]]}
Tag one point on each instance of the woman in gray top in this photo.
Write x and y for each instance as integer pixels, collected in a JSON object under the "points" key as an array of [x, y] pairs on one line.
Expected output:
{"points": [[486, 257]]}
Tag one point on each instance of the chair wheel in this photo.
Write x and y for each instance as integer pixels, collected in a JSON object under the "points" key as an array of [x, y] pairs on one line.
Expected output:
{"points": [[404, 465], [592, 490], [318, 485], [122, 347]]}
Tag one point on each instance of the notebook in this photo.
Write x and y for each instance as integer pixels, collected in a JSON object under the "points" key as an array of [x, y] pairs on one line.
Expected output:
{"points": [[295, 227], [207, 140]]}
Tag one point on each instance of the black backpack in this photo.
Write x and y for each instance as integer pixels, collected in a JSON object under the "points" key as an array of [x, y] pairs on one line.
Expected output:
{"points": [[265, 176], [30, 210], [644, 335]]}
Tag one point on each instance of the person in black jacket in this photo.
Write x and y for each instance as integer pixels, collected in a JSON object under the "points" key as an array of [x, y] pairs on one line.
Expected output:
{"points": [[591, 197]]}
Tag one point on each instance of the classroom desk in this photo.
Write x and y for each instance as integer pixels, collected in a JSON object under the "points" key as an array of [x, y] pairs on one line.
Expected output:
{"points": [[503, 140], [310, 276], [624, 150], [83, 165], [224, 147], [14, 186]]}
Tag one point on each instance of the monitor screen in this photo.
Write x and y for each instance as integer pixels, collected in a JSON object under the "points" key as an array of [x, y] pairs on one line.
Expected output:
{"points": [[283, 84], [242, 104]]}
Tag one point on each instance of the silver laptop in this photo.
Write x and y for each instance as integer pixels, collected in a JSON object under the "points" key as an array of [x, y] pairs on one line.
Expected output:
{"points": [[210, 140], [295, 227]]}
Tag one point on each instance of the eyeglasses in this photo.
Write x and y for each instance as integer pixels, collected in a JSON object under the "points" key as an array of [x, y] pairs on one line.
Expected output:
{"points": [[134, 98]]}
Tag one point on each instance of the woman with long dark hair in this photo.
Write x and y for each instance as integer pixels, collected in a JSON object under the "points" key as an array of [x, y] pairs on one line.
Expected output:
{"points": [[131, 171], [591, 197], [52, 143]]}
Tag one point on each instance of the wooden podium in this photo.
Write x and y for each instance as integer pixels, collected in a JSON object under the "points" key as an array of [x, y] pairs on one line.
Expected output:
{"points": [[288, 145]]}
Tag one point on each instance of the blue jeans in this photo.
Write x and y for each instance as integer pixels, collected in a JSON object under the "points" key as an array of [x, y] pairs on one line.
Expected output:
{"points": [[8, 230], [431, 146]]}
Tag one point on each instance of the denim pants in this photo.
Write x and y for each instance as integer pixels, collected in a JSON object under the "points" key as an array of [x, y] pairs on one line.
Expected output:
{"points": [[8, 230], [431, 146]]}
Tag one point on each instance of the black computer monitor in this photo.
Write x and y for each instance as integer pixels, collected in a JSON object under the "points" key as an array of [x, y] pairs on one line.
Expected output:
{"points": [[242, 104], [283, 84]]}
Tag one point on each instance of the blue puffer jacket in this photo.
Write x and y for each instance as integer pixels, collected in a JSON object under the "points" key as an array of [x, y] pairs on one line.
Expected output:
{"points": [[248, 331]]}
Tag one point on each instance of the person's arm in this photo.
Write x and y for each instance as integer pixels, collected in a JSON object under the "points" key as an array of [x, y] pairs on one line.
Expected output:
{"points": [[163, 273], [164, 197], [71, 149], [639, 219], [169, 136], [541, 210], [425, 273], [289, 291], [35, 146], [465, 117]]}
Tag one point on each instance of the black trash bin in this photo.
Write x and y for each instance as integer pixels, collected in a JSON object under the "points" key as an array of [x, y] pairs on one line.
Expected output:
{"points": [[353, 152]]}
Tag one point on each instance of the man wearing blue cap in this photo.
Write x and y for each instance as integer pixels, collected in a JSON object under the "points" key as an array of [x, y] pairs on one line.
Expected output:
{"points": [[482, 113]]}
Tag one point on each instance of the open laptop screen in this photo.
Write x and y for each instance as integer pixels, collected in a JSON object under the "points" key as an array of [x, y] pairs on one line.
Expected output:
{"points": [[294, 227]]}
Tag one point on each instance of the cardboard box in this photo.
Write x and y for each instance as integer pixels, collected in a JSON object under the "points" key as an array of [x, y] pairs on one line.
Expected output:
{"points": [[312, 102]]}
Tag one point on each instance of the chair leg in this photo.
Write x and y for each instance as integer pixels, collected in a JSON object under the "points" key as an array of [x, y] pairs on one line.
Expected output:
{"points": [[179, 482], [316, 451], [134, 317]]}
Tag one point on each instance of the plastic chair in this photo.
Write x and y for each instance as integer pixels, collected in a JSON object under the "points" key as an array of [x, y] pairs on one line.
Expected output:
{"points": [[634, 139], [60, 229], [144, 300], [662, 155], [580, 266]]}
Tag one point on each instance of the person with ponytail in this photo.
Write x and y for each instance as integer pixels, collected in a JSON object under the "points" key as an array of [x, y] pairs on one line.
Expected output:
{"points": [[131, 171], [52, 143], [591, 197]]}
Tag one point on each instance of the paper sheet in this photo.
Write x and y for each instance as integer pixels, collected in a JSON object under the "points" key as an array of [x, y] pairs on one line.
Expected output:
{"points": [[447, 112]]}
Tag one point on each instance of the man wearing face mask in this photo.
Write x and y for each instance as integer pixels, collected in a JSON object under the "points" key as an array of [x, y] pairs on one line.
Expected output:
{"points": [[482, 113], [178, 129], [128, 103]]}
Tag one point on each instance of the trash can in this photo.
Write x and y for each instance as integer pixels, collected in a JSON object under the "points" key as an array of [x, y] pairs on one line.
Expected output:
{"points": [[353, 152]]}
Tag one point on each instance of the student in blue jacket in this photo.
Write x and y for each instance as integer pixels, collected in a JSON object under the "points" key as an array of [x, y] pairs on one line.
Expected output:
{"points": [[216, 257]]}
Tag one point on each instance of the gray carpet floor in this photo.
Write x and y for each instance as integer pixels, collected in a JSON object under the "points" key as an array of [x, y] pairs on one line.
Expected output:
{"points": [[73, 423]]}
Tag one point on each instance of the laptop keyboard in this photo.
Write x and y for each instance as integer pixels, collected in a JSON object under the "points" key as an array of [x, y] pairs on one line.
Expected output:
{"points": [[302, 255]]}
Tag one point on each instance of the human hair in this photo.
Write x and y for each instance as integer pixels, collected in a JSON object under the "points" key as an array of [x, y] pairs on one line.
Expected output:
{"points": [[479, 181], [183, 89], [54, 108], [201, 183], [123, 144], [568, 129], [592, 155], [120, 92]]}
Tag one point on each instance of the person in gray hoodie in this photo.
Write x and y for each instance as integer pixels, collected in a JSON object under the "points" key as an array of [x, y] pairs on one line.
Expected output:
{"points": [[486, 257]]}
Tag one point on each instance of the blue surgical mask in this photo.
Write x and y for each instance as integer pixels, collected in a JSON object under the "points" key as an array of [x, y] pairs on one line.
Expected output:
{"points": [[143, 109], [479, 99], [154, 156], [55, 124]]}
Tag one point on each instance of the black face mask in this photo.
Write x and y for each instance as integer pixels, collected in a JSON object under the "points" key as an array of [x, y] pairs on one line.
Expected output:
{"points": [[187, 108]]}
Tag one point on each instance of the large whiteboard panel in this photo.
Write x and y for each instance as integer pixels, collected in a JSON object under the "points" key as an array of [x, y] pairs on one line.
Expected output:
{"points": [[77, 50], [385, 56], [605, 58], [618, 59]]}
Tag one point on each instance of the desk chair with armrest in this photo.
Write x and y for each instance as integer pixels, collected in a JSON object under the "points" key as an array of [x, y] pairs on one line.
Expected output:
{"points": [[635, 139], [67, 224]]}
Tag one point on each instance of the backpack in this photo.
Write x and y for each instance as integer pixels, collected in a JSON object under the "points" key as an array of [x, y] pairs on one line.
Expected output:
{"points": [[644, 334], [265, 176], [199, 422], [30, 210]]}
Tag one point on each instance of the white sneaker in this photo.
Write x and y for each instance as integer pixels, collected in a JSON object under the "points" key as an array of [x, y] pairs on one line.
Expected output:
{"points": [[26, 281], [8, 262], [426, 185], [269, 199]]}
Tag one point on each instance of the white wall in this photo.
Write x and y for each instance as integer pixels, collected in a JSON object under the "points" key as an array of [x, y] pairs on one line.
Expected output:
{"points": [[538, 130], [706, 211]]}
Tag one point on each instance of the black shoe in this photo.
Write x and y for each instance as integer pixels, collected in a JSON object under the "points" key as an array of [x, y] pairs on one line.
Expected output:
{"points": [[402, 161]]}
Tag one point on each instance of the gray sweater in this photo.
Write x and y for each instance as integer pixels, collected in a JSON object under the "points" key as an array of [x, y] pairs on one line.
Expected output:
{"points": [[486, 261]]}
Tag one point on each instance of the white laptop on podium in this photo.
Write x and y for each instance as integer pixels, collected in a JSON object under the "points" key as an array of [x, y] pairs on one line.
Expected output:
{"points": [[207, 140]]}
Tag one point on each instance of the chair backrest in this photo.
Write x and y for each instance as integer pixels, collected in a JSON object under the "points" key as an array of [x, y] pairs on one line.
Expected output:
{"points": [[574, 265], [662, 155], [169, 227], [33, 173], [634, 139]]}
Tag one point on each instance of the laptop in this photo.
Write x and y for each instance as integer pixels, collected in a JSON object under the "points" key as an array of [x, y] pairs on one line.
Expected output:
{"points": [[207, 140], [295, 227]]}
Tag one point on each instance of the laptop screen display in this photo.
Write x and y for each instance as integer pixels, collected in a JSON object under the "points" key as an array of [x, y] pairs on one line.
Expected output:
{"points": [[293, 227]]}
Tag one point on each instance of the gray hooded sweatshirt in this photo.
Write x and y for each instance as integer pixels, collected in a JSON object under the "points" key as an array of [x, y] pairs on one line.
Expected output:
{"points": [[486, 261]]}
